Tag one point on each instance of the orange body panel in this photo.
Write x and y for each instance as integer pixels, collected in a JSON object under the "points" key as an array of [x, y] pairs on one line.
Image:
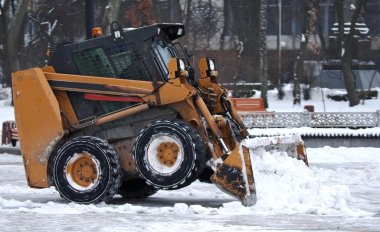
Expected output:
{"points": [[38, 121], [121, 86]]}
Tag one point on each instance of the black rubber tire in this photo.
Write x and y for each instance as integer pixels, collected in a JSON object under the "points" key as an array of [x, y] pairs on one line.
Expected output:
{"points": [[108, 163], [136, 189], [205, 176], [189, 168]]}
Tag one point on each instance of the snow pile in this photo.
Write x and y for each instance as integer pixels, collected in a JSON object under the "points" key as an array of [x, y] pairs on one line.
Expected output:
{"points": [[286, 185]]}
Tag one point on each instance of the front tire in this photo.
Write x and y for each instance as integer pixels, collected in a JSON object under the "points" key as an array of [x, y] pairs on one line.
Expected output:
{"points": [[86, 170], [169, 154]]}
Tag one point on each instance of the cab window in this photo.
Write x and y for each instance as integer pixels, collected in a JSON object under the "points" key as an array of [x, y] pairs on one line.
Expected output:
{"points": [[163, 52]]}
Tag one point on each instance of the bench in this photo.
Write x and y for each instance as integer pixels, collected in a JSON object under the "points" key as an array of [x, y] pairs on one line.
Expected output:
{"points": [[248, 104]]}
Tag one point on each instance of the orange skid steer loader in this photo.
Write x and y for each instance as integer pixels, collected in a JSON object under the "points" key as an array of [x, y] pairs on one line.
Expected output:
{"points": [[125, 114]]}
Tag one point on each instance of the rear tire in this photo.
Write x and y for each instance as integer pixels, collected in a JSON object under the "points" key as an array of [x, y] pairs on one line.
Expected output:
{"points": [[86, 170], [169, 154], [136, 189]]}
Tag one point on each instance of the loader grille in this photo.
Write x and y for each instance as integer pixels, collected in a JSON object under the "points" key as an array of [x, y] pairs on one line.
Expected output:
{"points": [[128, 63], [93, 62]]}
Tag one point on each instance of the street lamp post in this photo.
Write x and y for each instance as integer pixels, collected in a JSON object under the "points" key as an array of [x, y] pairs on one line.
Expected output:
{"points": [[279, 74]]}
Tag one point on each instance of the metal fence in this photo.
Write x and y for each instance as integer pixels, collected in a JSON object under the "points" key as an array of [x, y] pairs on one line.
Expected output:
{"points": [[311, 119]]}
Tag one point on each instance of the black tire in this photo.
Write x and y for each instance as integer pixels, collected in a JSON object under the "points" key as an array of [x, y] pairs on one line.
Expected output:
{"points": [[190, 152], [205, 176], [86, 170], [136, 189]]}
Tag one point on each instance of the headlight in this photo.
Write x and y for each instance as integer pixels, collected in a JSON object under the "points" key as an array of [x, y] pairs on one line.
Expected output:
{"points": [[181, 65], [211, 64]]}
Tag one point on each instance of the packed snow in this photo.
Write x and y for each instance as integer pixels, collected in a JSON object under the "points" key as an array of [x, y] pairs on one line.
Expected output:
{"points": [[338, 191], [319, 100], [341, 184]]}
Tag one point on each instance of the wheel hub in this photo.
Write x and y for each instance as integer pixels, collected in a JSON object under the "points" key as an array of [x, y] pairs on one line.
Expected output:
{"points": [[167, 153], [82, 170]]}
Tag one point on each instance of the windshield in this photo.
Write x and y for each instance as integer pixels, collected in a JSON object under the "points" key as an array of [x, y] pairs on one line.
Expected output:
{"points": [[163, 52]]}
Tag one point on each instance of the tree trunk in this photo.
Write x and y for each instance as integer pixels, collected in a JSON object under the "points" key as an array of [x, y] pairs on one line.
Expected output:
{"points": [[13, 38], [346, 50], [5, 78], [263, 51], [175, 11], [310, 19], [187, 22], [226, 23], [187, 17]]}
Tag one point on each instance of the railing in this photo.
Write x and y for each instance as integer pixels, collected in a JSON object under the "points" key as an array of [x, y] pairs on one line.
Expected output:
{"points": [[311, 119]]}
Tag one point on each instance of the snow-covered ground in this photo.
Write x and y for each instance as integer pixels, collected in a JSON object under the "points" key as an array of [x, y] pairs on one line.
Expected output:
{"points": [[319, 100], [338, 192]]}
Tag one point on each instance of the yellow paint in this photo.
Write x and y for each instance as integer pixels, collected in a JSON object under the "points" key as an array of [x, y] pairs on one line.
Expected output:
{"points": [[38, 121]]}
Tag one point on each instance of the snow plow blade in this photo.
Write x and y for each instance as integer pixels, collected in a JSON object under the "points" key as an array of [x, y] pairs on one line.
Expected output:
{"points": [[235, 176], [292, 145]]}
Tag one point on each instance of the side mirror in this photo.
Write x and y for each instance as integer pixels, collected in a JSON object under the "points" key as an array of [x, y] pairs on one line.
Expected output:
{"points": [[177, 68], [207, 68]]}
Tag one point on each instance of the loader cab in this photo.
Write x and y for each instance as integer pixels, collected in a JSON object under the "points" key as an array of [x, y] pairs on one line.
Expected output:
{"points": [[135, 54], [140, 54]]}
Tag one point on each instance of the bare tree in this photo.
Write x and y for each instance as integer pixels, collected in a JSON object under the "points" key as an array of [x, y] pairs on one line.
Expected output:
{"points": [[48, 23], [346, 47], [168, 11], [309, 29], [227, 23], [138, 13], [111, 13], [5, 75], [263, 51], [12, 30], [201, 20]]}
